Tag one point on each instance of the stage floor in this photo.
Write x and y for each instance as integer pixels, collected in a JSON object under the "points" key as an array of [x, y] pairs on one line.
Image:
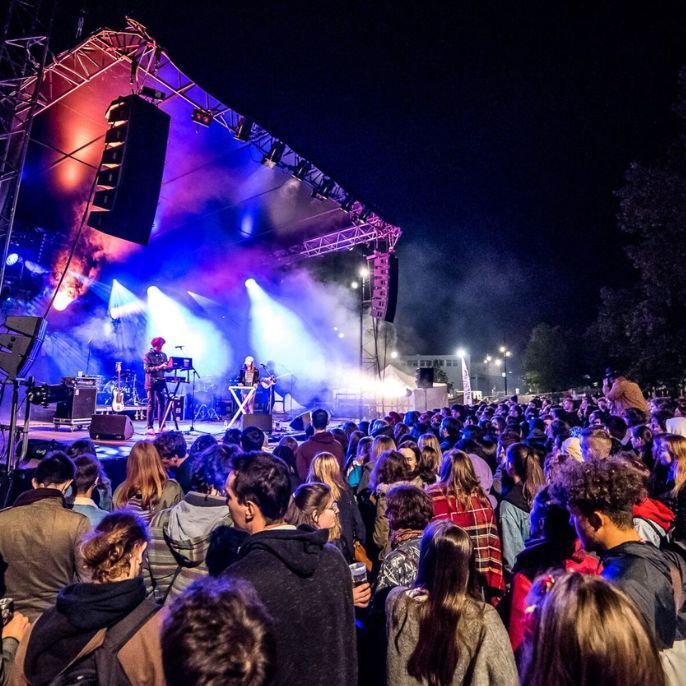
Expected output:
{"points": [[45, 431]]}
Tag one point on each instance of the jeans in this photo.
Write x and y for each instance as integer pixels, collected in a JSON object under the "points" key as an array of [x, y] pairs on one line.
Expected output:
{"points": [[157, 402]]}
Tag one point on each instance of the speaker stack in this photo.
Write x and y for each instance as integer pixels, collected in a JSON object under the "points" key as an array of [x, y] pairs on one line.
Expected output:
{"points": [[20, 345], [384, 282], [130, 176]]}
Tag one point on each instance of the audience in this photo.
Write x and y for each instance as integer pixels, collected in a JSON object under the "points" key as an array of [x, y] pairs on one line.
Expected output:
{"points": [[585, 631], [111, 608], [87, 477], [40, 538], [171, 445], [218, 632], [303, 582], [321, 441], [440, 631], [147, 489], [180, 535]]}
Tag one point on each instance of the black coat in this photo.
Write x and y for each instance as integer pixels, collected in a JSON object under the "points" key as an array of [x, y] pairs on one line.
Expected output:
{"points": [[352, 526], [306, 586], [643, 572]]}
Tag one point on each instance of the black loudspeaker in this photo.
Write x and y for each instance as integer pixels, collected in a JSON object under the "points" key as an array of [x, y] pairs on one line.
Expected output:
{"points": [[37, 448], [261, 421], [20, 345], [80, 403], [384, 281], [425, 377], [301, 421], [111, 427], [128, 184]]}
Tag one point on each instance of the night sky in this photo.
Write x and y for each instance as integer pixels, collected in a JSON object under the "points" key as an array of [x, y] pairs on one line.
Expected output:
{"points": [[494, 134]]}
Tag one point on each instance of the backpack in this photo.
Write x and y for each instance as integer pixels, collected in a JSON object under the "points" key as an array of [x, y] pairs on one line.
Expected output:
{"points": [[101, 667]]}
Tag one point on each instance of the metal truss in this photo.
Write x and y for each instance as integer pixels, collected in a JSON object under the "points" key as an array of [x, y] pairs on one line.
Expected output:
{"points": [[23, 54], [151, 66]]}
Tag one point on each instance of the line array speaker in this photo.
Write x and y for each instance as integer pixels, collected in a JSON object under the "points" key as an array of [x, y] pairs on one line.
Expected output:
{"points": [[384, 277]]}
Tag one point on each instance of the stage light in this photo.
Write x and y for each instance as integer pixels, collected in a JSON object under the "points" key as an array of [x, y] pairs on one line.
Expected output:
{"points": [[461, 352], [244, 129], [363, 272], [301, 170], [152, 93], [394, 355], [365, 214], [62, 300], [273, 157], [354, 284], [202, 117], [502, 349], [250, 283], [123, 303], [324, 188], [12, 258]]}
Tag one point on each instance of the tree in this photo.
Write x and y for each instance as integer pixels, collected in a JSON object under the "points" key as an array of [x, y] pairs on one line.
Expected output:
{"points": [[644, 324], [547, 365]]}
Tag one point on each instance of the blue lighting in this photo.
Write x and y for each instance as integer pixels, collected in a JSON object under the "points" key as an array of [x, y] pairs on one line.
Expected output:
{"points": [[12, 258], [250, 283]]}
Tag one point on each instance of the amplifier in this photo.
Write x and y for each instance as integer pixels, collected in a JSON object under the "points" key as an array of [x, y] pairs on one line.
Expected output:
{"points": [[80, 404], [81, 381]]}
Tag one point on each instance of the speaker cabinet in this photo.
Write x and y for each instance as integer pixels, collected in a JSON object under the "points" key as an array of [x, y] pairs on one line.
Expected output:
{"points": [[111, 427], [79, 405], [425, 377], [384, 283], [261, 421], [301, 421]]}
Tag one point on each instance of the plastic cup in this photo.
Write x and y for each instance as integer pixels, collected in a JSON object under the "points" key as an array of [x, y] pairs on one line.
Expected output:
{"points": [[359, 573]]}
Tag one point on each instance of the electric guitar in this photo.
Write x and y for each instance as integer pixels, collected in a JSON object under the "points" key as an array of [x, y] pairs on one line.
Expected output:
{"points": [[118, 395], [269, 381]]}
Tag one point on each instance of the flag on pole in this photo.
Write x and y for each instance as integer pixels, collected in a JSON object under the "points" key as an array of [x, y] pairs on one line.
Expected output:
{"points": [[466, 384]]}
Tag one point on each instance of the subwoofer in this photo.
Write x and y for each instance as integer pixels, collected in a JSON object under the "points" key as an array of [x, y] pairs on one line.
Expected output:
{"points": [[111, 427]]}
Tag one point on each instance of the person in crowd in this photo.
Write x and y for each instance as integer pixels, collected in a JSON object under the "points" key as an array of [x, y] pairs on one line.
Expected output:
{"points": [[302, 580], [595, 444], [459, 498], [658, 421], [232, 437], [586, 631], [12, 634], [313, 504], [103, 491], [431, 441], [86, 479], [173, 450], [553, 545], [111, 609], [380, 445], [449, 432], [147, 488], [634, 417], [391, 469], [642, 443], [40, 537], [410, 451], [180, 535], [440, 631], [600, 496], [342, 437], [356, 465], [252, 438], [321, 441], [527, 477], [428, 466], [218, 632], [200, 444], [285, 450], [619, 434], [622, 393], [353, 441], [409, 511], [325, 469], [674, 454]]}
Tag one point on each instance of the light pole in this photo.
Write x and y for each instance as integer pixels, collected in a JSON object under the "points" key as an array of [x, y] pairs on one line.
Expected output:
{"points": [[505, 353]]}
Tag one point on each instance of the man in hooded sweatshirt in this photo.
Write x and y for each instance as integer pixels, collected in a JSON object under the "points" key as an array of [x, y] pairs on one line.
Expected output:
{"points": [[303, 581], [322, 441], [599, 495], [180, 535]]}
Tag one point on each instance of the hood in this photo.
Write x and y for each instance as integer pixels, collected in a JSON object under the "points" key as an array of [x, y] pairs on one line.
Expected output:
{"points": [[298, 549], [655, 511], [89, 607], [188, 525], [540, 554], [515, 496], [324, 438]]}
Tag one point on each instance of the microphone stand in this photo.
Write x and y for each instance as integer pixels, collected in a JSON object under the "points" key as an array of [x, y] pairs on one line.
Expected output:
{"points": [[192, 429]]}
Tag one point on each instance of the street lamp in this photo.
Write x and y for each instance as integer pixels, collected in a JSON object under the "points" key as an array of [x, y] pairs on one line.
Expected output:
{"points": [[506, 353], [461, 353]]}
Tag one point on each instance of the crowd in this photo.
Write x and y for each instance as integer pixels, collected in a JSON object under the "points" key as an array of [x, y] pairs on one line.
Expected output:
{"points": [[493, 544]]}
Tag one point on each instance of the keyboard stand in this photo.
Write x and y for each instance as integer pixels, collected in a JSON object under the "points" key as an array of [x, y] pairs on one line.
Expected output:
{"points": [[241, 402], [171, 397]]}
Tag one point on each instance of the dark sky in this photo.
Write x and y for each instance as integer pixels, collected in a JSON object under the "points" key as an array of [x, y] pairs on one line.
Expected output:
{"points": [[494, 134]]}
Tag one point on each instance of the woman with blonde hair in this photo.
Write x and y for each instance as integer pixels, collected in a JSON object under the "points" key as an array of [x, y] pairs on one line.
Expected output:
{"points": [[459, 498], [431, 441], [61, 646], [325, 469], [673, 456], [147, 488], [313, 504], [380, 445], [585, 631]]}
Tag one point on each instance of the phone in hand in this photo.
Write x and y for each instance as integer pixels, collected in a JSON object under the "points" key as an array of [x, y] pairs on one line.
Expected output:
{"points": [[6, 610]]}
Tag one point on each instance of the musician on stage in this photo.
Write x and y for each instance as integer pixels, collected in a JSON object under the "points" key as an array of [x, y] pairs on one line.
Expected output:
{"points": [[155, 363], [249, 375]]}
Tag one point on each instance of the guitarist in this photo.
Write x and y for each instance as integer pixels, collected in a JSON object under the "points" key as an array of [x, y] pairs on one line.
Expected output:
{"points": [[155, 363]]}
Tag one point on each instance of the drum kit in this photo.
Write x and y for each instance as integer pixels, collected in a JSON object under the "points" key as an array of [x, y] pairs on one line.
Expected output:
{"points": [[114, 389]]}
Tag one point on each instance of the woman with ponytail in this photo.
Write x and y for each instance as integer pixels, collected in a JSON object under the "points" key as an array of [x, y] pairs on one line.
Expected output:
{"points": [[524, 469], [440, 632], [64, 644]]}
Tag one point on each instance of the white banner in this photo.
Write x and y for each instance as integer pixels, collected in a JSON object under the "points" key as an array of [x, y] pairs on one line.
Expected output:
{"points": [[466, 384]]}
